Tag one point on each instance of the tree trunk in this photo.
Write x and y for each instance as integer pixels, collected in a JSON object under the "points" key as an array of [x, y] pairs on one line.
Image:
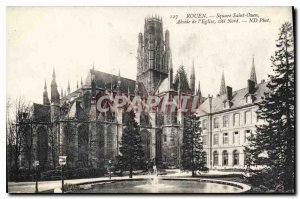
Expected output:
{"points": [[29, 166], [16, 170], [193, 173], [130, 172], [193, 159]]}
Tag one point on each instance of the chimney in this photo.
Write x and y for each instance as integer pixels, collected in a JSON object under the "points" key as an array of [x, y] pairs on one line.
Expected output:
{"points": [[251, 86], [229, 93]]}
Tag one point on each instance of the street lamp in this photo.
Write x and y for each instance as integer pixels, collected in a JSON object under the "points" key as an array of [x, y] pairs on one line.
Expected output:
{"points": [[109, 169], [36, 166], [62, 162]]}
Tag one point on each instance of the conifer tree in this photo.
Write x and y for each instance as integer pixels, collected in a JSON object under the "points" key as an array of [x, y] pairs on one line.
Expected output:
{"points": [[273, 145], [132, 154], [192, 155]]}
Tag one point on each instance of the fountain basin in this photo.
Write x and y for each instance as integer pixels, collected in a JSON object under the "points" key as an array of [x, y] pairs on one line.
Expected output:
{"points": [[167, 185]]}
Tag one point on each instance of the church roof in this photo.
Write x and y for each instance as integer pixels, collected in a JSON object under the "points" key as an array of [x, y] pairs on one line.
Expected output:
{"points": [[108, 80], [40, 112], [238, 100], [72, 96]]}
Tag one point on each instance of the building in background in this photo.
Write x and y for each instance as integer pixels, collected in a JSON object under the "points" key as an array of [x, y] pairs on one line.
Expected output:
{"points": [[228, 119]]}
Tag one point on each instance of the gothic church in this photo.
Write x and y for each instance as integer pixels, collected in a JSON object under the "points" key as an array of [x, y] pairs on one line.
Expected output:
{"points": [[69, 123]]}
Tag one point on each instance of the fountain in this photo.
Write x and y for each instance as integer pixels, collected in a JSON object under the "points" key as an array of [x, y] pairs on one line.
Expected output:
{"points": [[155, 176], [153, 183]]}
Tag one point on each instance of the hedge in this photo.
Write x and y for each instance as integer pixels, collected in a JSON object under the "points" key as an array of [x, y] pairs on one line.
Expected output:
{"points": [[74, 173]]}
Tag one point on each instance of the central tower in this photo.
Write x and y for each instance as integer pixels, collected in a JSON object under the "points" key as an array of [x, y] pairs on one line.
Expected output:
{"points": [[153, 54]]}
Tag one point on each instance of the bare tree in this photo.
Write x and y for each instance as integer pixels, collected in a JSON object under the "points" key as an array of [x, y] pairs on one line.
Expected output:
{"points": [[9, 140], [27, 145], [16, 133]]}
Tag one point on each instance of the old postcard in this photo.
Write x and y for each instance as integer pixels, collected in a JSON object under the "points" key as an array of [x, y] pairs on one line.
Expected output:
{"points": [[150, 100]]}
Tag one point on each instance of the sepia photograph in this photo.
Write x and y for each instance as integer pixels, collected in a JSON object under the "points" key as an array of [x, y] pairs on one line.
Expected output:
{"points": [[150, 100]]}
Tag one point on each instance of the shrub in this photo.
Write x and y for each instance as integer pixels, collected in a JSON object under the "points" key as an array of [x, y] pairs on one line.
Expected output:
{"points": [[71, 173], [204, 169], [71, 187], [48, 175], [23, 174]]}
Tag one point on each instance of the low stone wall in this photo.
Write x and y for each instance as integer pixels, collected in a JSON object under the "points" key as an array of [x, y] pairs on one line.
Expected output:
{"points": [[243, 187]]}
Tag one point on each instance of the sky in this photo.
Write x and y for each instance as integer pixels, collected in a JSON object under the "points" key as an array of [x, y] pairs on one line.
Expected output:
{"points": [[73, 39]]}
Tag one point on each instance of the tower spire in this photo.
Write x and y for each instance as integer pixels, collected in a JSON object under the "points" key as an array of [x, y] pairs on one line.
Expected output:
{"points": [[192, 78], [45, 86], [81, 82], [170, 71], [253, 73], [45, 95], [223, 85], [199, 94], [68, 89], [53, 77], [119, 80], [53, 74], [199, 90], [53, 83], [54, 91], [77, 84], [178, 94]]}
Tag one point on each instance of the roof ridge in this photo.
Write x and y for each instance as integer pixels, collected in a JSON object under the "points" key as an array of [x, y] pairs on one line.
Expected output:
{"points": [[34, 103], [114, 75], [235, 91]]}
